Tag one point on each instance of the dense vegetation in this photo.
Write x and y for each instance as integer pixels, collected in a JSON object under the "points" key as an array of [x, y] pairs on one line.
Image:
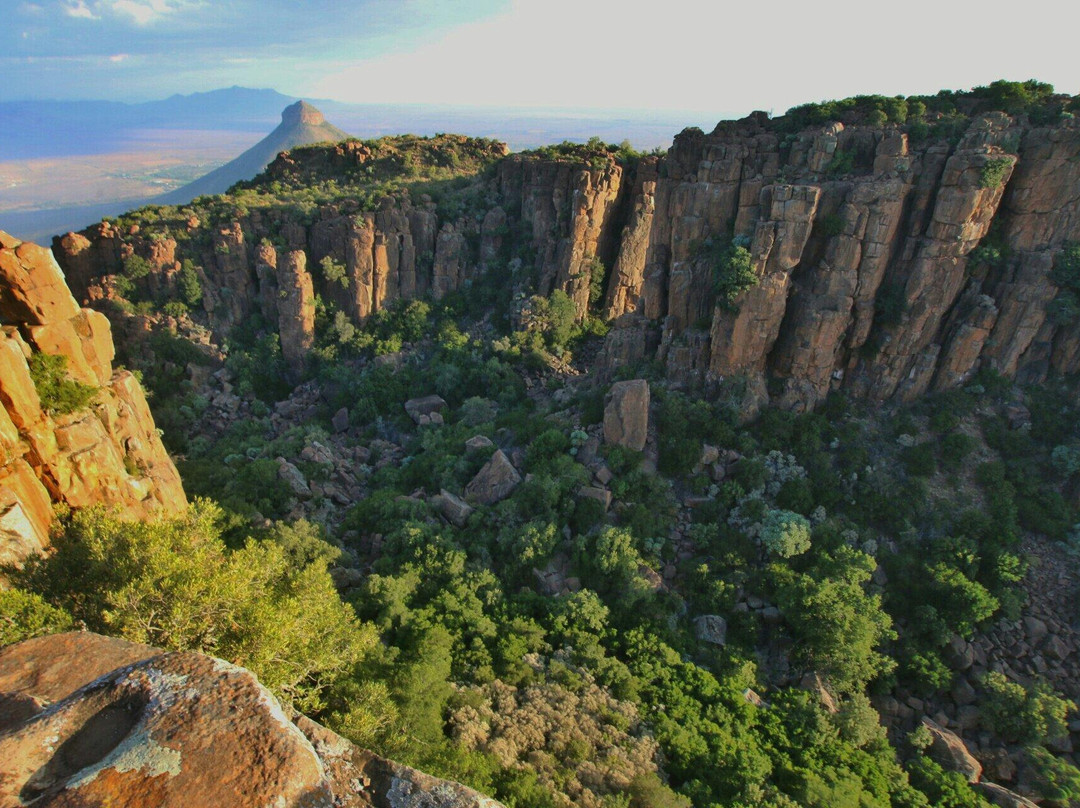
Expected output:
{"points": [[604, 695], [1033, 98]]}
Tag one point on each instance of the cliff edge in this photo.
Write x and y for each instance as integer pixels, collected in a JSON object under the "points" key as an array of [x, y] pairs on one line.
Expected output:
{"points": [[98, 445]]}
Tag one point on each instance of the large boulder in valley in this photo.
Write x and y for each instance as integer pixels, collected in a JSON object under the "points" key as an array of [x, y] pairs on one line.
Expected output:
{"points": [[105, 722], [626, 414], [426, 410], [494, 481], [949, 750]]}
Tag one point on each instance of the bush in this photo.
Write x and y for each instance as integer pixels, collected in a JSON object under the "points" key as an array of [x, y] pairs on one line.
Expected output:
{"points": [[59, 394], [1024, 715], [993, 172], [839, 625], [173, 583], [785, 533], [919, 460], [733, 270], [1054, 778], [136, 267], [189, 285], [24, 615]]}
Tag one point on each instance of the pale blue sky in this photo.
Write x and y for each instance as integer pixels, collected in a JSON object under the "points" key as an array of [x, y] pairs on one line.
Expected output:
{"points": [[595, 54]]}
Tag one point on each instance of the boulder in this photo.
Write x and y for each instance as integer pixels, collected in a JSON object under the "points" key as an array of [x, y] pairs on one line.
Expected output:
{"points": [[813, 683], [494, 481], [294, 478], [421, 409], [626, 414], [601, 495], [32, 288], [454, 508], [477, 442], [340, 421], [950, 751], [711, 628], [999, 795], [130, 725]]}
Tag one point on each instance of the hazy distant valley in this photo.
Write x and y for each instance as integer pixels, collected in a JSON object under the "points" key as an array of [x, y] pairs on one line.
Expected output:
{"points": [[64, 165]]}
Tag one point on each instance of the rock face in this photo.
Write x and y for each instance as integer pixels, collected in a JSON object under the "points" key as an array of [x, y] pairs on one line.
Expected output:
{"points": [[89, 720], [862, 240], [626, 414], [107, 454]]}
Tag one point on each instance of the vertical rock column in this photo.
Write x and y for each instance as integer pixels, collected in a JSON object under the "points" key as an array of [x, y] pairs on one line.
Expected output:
{"points": [[296, 311]]}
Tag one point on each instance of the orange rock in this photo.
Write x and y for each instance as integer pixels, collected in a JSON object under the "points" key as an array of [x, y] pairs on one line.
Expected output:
{"points": [[131, 725], [32, 288]]}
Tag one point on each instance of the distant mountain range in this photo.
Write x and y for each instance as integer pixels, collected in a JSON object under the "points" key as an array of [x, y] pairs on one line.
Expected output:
{"points": [[63, 130], [34, 129]]}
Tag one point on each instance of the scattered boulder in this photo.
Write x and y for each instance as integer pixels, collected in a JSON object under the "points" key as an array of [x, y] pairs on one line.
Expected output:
{"points": [[454, 508], [601, 495], [340, 421], [711, 628], [813, 683], [999, 795], [477, 442], [950, 751], [422, 409], [294, 478], [494, 481], [626, 414]]}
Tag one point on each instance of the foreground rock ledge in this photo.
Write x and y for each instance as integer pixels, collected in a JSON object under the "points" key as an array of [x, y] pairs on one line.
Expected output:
{"points": [[87, 720]]}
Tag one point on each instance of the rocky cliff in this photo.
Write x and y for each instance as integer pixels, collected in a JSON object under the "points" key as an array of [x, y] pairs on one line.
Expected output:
{"points": [[862, 241], [91, 720], [867, 279], [107, 452]]}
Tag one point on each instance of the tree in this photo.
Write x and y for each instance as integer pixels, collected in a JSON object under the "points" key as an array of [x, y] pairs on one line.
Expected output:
{"points": [[839, 625]]}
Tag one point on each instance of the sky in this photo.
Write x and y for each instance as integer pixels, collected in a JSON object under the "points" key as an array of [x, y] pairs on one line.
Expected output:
{"points": [[694, 55]]}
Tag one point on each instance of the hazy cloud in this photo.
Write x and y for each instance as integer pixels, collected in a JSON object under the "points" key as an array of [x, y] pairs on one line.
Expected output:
{"points": [[80, 10]]}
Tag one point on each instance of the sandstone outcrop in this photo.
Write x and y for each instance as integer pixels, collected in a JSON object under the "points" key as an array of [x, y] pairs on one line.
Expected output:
{"points": [[109, 453], [89, 720], [626, 414]]}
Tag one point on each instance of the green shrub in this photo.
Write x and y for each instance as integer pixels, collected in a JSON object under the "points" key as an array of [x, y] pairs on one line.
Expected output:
{"points": [[59, 394], [1054, 778], [1023, 715], [136, 267], [843, 162], [334, 272], [189, 285], [919, 460], [840, 627], [993, 172], [785, 534], [173, 583], [24, 615]]}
